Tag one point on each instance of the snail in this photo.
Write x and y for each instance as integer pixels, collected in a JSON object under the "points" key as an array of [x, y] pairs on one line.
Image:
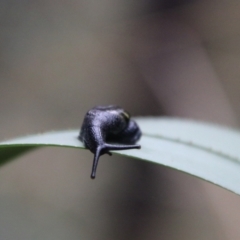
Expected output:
{"points": [[107, 128]]}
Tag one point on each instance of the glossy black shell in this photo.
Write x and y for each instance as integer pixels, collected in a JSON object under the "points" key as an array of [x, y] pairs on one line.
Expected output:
{"points": [[108, 128]]}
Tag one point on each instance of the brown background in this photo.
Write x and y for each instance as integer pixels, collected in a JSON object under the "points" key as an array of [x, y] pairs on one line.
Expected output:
{"points": [[58, 59]]}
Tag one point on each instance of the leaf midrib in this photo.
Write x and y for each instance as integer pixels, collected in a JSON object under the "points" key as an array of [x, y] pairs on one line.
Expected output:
{"points": [[194, 145]]}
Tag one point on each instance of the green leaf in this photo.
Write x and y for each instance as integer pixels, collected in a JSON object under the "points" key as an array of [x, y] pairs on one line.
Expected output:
{"points": [[203, 150]]}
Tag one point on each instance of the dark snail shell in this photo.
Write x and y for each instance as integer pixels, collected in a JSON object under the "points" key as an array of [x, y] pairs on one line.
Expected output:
{"points": [[107, 128]]}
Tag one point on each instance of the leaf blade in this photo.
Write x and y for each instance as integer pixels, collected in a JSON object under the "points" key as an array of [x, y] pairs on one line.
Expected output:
{"points": [[202, 150]]}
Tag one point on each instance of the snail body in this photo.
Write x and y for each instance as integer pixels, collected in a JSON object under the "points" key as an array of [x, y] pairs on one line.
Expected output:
{"points": [[107, 128]]}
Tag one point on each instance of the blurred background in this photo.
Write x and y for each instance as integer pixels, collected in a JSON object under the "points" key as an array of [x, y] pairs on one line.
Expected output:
{"points": [[59, 59]]}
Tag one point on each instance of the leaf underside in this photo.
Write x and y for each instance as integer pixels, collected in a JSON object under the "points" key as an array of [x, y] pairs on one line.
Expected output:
{"points": [[207, 151]]}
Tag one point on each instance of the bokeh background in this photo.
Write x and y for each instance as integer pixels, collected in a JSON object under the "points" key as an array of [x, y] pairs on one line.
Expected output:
{"points": [[60, 58]]}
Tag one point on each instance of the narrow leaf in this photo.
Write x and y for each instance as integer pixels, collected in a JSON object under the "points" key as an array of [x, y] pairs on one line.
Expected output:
{"points": [[203, 150]]}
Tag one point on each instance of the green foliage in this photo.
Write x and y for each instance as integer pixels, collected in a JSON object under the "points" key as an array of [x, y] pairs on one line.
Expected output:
{"points": [[203, 150]]}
